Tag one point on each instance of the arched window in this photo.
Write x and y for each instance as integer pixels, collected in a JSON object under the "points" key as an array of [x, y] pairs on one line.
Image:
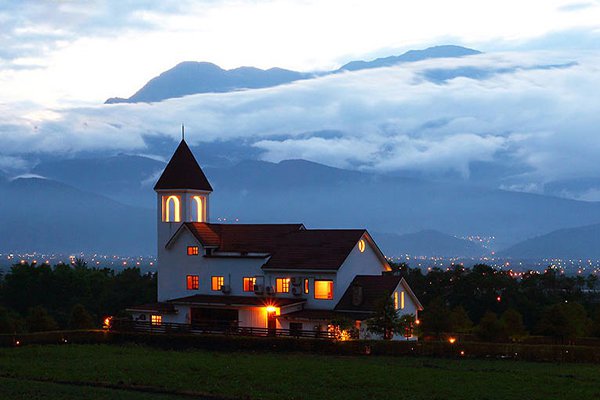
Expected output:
{"points": [[199, 212], [171, 209]]}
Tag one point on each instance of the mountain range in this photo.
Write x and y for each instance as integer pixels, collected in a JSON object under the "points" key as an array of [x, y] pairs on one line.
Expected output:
{"points": [[119, 190], [191, 77]]}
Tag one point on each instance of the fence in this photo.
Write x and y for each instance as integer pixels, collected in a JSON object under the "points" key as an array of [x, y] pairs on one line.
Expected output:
{"points": [[213, 327]]}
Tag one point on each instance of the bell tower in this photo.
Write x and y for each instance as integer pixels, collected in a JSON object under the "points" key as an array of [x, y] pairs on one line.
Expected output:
{"points": [[182, 194]]}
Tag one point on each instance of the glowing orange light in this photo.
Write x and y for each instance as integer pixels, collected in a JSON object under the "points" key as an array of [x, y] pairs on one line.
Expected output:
{"points": [[361, 245], [498, 298], [17, 343], [200, 206], [167, 217], [417, 321], [462, 352], [452, 340], [271, 309], [107, 322]]}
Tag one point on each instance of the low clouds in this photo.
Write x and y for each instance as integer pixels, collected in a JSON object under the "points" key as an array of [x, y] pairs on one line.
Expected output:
{"points": [[386, 120]]}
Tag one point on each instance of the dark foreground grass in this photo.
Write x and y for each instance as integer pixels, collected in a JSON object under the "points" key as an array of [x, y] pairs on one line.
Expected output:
{"points": [[283, 376]]}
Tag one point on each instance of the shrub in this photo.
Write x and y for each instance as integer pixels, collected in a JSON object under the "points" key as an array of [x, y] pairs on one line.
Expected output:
{"points": [[80, 318], [38, 320]]}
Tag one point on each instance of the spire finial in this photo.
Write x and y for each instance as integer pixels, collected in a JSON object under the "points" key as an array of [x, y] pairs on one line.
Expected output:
{"points": [[182, 132]]}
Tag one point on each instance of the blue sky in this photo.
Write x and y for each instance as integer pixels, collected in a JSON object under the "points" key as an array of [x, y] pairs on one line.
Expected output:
{"points": [[60, 60]]}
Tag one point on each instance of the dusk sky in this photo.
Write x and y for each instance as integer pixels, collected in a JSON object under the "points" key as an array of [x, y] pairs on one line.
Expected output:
{"points": [[60, 61]]}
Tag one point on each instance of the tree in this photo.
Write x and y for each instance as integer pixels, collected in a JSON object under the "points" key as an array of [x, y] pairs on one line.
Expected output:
{"points": [[564, 321], [490, 328], [512, 322], [10, 322], [386, 321], [436, 318], [461, 323], [38, 320], [80, 318]]}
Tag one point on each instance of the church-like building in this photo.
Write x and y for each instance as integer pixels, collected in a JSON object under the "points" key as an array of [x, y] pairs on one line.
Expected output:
{"points": [[280, 278]]}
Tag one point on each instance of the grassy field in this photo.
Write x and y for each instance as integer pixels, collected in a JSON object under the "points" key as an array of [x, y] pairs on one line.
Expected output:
{"points": [[135, 372]]}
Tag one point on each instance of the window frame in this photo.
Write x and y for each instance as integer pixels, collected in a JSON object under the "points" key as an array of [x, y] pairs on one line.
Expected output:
{"points": [[248, 279], [156, 320], [285, 285], [315, 289], [219, 279], [192, 282], [193, 250]]}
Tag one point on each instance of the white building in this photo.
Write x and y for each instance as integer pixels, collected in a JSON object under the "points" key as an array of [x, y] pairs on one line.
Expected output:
{"points": [[260, 276]]}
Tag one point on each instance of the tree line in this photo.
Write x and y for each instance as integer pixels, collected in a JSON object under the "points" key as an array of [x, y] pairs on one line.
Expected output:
{"points": [[40, 297], [496, 305]]}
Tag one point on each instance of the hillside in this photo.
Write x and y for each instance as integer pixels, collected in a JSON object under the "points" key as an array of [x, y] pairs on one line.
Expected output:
{"points": [[571, 243]]}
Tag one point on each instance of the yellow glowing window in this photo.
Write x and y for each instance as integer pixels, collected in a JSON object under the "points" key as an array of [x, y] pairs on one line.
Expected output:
{"points": [[192, 250], [171, 209], [200, 209], [282, 285], [217, 282], [361, 245], [402, 300], [323, 290], [396, 300], [306, 286], [249, 284], [156, 319], [193, 282]]}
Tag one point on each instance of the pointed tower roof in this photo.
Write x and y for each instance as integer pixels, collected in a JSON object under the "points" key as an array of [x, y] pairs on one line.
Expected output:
{"points": [[183, 172]]}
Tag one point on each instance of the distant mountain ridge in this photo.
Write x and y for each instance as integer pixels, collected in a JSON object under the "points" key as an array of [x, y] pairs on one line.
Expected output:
{"points": [[190, 77], [571, 243], [289, 191]]}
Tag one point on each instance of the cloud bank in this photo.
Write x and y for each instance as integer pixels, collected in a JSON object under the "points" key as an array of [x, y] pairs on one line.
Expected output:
{"points": [[543, 120]]}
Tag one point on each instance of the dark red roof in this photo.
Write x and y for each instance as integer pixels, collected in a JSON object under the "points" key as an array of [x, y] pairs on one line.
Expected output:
{"points": [[290, 246], [254, 238], [183, 172], [374, 288], [237, 300]]}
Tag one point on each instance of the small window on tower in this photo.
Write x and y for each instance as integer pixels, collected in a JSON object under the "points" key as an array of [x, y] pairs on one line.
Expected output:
{"points": [[193, 250], [171, 209], [193, 282]]}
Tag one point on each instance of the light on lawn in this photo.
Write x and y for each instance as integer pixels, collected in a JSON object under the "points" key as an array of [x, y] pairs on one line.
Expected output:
{"points": [[452, 340]]}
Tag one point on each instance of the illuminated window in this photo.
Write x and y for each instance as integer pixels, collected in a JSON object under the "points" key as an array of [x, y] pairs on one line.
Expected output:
{"points": [[402, 300], [217, 282], [249, 284], [306, 283], [156, 319], [193, 282], [192, 250], [282, 285], [171, 209], [361, 245], [200, 210], [323, 290], [396, 300]]}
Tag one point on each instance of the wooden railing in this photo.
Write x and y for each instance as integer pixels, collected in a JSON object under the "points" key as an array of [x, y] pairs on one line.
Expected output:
{"points": [[212, 327]]}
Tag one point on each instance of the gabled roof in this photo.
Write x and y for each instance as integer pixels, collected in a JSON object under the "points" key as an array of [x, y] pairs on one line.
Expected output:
{"points": [[374, 288], [289, 246], [183, 172]]}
